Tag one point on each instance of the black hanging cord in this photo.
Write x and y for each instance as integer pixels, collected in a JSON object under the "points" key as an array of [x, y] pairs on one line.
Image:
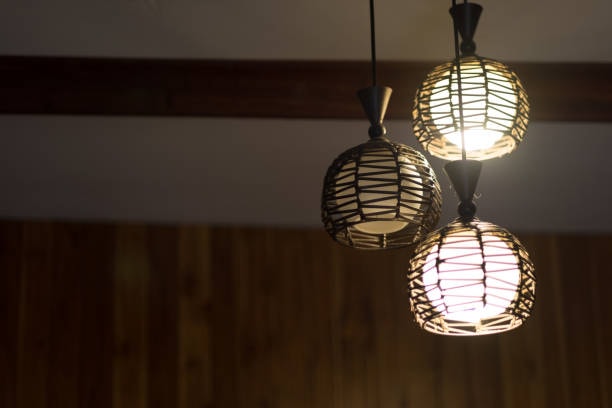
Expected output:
{"points": [[373, 42], [459, 87]]}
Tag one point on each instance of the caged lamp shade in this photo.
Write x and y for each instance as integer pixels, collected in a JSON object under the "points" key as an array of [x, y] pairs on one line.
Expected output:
{"points": [[380, 194], [471, 278], [495, 110], [479, 97]]}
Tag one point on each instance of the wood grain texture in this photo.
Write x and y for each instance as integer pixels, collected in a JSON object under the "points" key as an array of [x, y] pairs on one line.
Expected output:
{"points": [[194, 322], [286, 89], [225, 352], [130, 317], [10, 291], [162, 325], [63, 297], [35, 317], [192, 316]]}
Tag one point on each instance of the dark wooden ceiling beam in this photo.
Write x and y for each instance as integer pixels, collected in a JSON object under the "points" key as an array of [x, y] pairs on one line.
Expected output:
{"points": [[282, 89]]}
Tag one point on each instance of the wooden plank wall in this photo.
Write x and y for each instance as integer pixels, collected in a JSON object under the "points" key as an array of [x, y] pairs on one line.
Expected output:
{"points": [[165, 316]]}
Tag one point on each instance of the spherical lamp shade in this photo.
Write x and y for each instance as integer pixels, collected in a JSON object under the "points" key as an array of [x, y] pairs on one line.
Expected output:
{"points": [[380, 195], [471, 278], [495, 110]]}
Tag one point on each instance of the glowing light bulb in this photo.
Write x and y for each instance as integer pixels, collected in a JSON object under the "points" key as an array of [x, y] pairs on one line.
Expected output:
{"points": [[475, 139], [485, 114], [467, 280], [494, 106]]}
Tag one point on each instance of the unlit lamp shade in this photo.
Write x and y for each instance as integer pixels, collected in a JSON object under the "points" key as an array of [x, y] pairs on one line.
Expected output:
{"points": [[471, 278], [495, 110], [380, 195]]}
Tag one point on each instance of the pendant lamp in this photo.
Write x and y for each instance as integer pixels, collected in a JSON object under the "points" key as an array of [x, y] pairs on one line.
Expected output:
{"points": [[379, 194], [494, 102], [469, 277]]}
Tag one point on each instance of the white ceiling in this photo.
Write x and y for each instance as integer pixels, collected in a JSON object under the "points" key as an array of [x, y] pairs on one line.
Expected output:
{"points": [[246, 171], [518, 30]]}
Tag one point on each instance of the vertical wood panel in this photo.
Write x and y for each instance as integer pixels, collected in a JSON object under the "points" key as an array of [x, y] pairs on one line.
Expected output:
{"points": [[195, 313], [283, 338], [363, 311], [451, 369], [485, 382], [64, 353], [93, 253], [10, 268], [67, 319], [152, 316], [598, 271], [225, 337], [550, 315], [578, 321], [130, 316], [35, 315], [162, 321], [315, 264]]}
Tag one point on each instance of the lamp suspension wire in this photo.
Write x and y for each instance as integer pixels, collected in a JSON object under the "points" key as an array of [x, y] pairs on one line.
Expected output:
{"points": [[373, 42], [459, 88]]}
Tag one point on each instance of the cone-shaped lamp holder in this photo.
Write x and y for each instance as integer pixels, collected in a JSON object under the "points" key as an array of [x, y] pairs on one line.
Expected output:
{"points": [[464, 176], [375, 100], [465, 18]]}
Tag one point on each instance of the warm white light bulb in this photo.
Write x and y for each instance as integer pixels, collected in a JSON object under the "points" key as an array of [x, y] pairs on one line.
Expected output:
{"points": [[380, 227], [467, 280], [475, 139], [486, 115]]}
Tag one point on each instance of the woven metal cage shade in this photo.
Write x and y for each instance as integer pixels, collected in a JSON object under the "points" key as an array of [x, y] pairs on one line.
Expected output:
{"points": [[471, 278], [495, 110], [380, 195]]}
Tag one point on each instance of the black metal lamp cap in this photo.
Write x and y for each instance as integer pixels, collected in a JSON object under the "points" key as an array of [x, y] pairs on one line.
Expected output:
{"points": [[375, 100], [465, 17], [464, 175]]}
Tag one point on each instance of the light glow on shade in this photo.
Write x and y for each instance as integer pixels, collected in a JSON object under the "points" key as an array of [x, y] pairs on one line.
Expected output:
{"points": [[468, 284], [373, 195], [380, 195], [494, 104], [475, 139], [471, 278], [484, 122]]}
